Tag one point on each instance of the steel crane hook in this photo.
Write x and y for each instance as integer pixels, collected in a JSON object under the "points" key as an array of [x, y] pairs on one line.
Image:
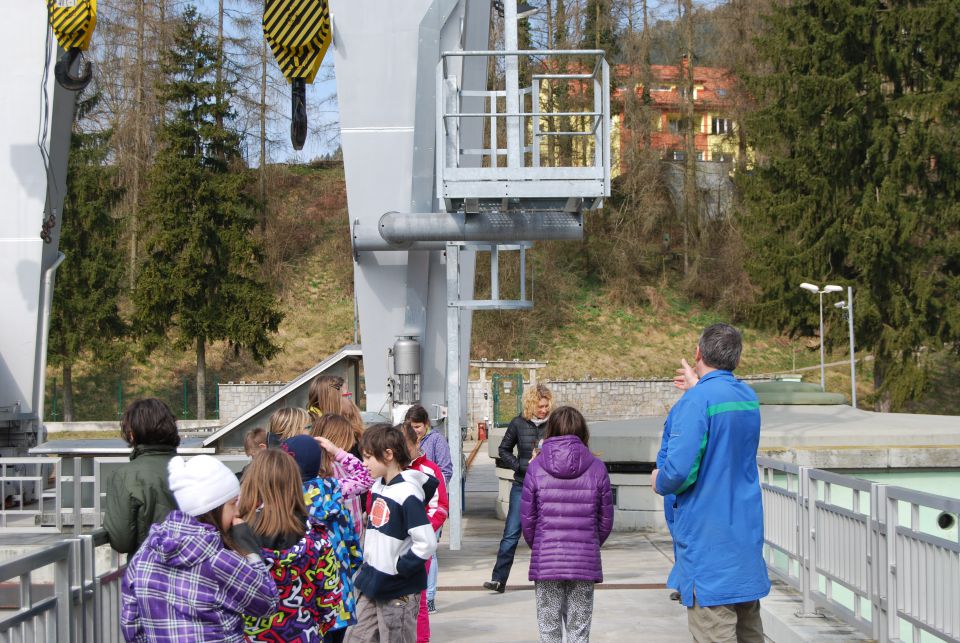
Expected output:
{"points": [[298, 117], [63, 71]]}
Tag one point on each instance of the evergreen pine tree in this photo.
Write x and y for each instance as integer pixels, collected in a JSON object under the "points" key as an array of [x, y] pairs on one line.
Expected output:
{"points": [[85, 317], [859, 176], [199, 276]]}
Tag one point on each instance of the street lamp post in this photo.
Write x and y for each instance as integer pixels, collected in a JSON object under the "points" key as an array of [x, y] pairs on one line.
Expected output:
{"points": [[848, 306], [816, 290]]}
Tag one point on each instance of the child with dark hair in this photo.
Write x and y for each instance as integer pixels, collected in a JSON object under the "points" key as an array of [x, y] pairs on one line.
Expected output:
{"points": [[432, 444], [254, 442], [138, 494], [295, 548], [566, 513], [324, 495], [199, 571], [398, 543]]}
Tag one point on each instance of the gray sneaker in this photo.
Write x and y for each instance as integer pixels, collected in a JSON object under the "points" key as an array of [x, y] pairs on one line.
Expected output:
{"points": [[431, 607]]}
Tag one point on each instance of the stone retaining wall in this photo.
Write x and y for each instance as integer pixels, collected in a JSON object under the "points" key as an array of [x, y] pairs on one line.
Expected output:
{"points": [[236, 398], [596, 399]]}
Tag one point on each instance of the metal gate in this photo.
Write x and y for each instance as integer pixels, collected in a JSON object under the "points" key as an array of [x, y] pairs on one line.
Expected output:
{"points": [[507, 398]]}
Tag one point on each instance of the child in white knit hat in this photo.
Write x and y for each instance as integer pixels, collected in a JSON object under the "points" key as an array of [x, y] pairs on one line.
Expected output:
{"points": [[199, 571]]}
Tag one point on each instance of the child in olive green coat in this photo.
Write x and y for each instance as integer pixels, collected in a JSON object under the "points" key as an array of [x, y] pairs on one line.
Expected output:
{"points": [[138, 494]]}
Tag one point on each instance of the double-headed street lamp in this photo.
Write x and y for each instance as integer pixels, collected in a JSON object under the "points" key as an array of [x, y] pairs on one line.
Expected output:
{"points": [[817, 291], [848, 306]]}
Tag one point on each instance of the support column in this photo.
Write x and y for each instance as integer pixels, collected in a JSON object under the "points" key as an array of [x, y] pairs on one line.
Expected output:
{"points": [[512, 80], [455, 518]]}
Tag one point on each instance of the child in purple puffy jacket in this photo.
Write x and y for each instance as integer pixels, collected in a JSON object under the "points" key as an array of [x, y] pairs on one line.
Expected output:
{"points": [[567, 513]]}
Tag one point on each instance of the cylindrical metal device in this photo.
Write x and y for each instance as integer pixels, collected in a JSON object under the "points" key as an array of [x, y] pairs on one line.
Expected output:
{"points": [[406, 368], [406, 356]]}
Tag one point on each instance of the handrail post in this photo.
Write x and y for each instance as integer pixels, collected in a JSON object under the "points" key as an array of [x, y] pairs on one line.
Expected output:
{"points": [[62, 573], [807, 496], [77, 495], [890, 570], [878, 562]]}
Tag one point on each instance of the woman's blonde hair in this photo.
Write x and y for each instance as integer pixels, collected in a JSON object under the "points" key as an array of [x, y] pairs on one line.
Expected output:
{"points": [[324, 396], [289, 422], [272, 485], [531, 396]]}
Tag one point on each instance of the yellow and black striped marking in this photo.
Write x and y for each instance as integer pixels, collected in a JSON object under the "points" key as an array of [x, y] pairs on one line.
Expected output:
{"points": [[298, 32], [72, 22]]}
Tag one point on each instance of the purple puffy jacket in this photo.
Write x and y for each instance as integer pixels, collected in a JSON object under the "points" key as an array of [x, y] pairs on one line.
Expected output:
{"points": [[566, 511]]}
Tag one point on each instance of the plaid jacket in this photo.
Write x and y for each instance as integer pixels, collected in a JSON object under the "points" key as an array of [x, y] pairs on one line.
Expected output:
{"points": [[183, 585]]}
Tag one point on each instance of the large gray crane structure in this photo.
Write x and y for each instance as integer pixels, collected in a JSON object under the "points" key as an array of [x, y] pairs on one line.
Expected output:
{"points": [[429, 183], [445, 155]]}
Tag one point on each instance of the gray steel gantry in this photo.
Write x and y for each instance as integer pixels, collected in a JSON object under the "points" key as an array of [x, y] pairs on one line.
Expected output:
{"points": [[429, 184]]}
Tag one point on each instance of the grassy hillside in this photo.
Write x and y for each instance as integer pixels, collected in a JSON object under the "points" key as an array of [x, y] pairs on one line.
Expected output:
{"points": [[581, 327]]}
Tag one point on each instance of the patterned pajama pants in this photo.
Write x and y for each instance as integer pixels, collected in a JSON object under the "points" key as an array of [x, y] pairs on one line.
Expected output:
{"points": [[564, 605]]}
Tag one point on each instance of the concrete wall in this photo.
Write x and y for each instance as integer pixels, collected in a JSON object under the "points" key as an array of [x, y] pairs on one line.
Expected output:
{"points": [[236, 398], [596, 399]]}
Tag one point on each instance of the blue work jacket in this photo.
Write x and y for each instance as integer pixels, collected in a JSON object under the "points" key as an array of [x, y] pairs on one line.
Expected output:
{"points": [[710, 465]]}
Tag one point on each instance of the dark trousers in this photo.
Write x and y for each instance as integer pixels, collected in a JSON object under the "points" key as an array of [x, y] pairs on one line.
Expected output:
{"points": [[511, 536]]}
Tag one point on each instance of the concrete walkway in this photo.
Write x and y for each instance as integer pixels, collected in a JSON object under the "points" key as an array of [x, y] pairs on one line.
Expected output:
{"points": [[631, 604]]}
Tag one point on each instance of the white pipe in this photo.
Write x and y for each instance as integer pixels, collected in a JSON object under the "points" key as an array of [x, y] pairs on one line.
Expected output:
{"points": [[40, 377]]}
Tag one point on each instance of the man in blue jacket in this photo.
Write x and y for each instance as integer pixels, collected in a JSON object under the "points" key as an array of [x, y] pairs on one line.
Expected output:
{"points": [[710, 466]]}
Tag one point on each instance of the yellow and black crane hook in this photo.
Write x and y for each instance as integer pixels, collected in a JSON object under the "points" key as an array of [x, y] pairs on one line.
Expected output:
{"points": [[72, 22], [298, 32]]}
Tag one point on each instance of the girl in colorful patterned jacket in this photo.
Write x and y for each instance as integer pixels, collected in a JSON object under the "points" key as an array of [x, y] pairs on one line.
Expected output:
{"points": [[297, 550], [324, 496], [199, 571], [437, 506]]}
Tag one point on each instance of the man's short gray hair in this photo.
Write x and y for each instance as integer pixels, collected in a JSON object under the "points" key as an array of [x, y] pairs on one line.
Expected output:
{"points": [[720, 346]]}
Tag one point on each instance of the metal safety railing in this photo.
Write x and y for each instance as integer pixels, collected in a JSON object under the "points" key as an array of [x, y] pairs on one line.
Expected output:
{"points": [[526, 162], [829, 536], [63, 594], [58, 494]]}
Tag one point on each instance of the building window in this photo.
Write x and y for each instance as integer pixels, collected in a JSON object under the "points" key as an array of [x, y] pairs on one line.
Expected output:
{"points": [[721, 92], [723, 157], [721, 126], [677, 125], [700, 155], [676, 155]]}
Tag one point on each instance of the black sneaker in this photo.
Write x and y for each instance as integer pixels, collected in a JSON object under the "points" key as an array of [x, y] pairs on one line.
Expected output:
{"points": [[431, 607], [495, 586], [674, 596]]}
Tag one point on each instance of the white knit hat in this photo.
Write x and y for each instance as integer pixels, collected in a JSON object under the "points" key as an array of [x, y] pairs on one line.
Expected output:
{"points": [[201, 483]]}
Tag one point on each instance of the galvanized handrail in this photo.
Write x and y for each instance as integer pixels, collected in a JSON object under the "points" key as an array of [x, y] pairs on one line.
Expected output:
{"points": [[517, 171], [835, 530], [85, 605]]}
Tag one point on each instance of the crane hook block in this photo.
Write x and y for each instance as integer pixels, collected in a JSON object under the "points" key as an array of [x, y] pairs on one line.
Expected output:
{"points": [[72, 22], [298, 32]]}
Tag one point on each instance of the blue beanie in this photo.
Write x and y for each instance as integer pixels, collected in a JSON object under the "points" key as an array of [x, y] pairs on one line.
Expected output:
{"points": [[307, 453]]}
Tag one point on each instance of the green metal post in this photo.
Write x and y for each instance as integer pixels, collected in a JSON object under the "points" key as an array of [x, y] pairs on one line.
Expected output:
{"points": [[119, 397], [184, 396], [54, 399], [216, 396]]}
